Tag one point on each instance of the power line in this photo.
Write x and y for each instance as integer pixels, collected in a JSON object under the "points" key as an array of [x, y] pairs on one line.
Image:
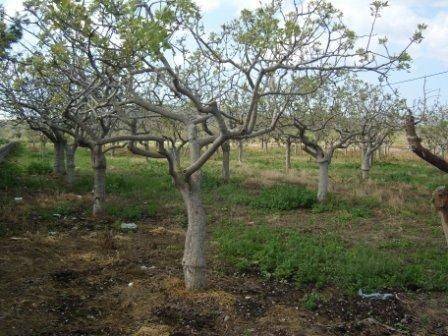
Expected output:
{"points": [[417, 78]]}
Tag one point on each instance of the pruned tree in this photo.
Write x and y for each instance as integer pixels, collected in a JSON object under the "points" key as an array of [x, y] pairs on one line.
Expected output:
{"points": [[126, 61], [378, 118], [324, 124]]}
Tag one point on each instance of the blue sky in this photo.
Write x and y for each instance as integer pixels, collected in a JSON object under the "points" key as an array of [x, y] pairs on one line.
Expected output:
{"points": [[398, 22]]}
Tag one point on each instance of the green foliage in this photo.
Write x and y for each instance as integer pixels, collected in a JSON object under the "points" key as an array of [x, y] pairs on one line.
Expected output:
{"points": [[39, 168], [327, 260], [284, 197], [311, 300], [9, 175], [347, 210], [130, 211]]}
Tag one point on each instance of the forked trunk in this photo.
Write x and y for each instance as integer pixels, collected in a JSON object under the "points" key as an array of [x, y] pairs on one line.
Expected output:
{"points": [[288, 155], [225, 162], [193, 261], [322, 189], [59, 158], [70, 152], [99, 180]]}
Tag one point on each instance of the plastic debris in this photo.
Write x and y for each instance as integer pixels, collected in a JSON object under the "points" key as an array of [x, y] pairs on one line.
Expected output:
{"points": [[375, 296], [128, 226], [18, 199]]}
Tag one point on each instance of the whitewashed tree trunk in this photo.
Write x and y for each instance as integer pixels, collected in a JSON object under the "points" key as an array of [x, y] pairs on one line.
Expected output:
{"points": [[288, 155], [70, 152], [225, 161], [193, 261], [322, 189], [59, 158], [99, 179], [194, 253], [240, 150], [366, 164]]}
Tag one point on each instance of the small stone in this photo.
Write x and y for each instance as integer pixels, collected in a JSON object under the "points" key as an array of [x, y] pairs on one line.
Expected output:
{"points": [[226, 318], [131, 284]]}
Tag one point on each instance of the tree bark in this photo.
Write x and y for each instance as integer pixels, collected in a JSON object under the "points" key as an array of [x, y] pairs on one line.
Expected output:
{"points": [[70, 152], [225, 162], [441, 205], [366, 164], [240, 150], [417, 147], [194, 252], [288, 155], [59, 158], [99, 179], [193, 261], [322, 189]]}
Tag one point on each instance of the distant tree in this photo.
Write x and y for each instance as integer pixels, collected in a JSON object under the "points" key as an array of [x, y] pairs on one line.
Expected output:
{"points": [[324, 124], [378, 118]]}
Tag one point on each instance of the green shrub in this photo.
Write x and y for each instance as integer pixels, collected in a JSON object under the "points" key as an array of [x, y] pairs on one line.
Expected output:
{"points": [[117, 183], [284, 197], [9, 175], [39, 168], [130, 211], [124, 212], [311, 300]]}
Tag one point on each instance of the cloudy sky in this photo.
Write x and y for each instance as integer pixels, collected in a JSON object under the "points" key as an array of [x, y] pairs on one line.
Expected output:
{"points": [[398, 22]]}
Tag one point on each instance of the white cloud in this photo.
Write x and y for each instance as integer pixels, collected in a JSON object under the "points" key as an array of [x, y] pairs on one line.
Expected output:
{"points": [[399, 22], [208, 5], [12, 6], [436, 42]]}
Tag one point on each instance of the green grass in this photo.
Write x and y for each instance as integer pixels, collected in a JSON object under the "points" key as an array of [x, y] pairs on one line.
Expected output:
{"points": [[327, 260], [318, 248], [39, 168], [284, 197]]}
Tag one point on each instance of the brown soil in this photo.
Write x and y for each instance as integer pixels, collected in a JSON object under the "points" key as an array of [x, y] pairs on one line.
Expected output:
{"points": [[86, 279]]}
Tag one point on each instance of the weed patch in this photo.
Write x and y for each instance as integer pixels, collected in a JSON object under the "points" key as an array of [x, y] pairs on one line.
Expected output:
{"points": [[328, 261]]}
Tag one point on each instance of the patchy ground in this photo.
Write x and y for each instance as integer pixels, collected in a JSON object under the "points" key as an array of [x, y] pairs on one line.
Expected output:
{"points": [[65, 273]]}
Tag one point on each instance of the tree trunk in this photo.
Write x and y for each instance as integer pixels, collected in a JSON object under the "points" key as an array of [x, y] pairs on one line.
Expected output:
{"points": [[99, 179], [322, 189], [225, 162], [288, 155], [70, 152], [59, 158], [366, 164], [240, 150], [417, 147], [193, 261], [441, 204], [194, 252]]}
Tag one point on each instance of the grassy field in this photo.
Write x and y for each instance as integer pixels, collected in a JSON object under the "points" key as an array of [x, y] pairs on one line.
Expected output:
{"points": [[279, 263]]}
